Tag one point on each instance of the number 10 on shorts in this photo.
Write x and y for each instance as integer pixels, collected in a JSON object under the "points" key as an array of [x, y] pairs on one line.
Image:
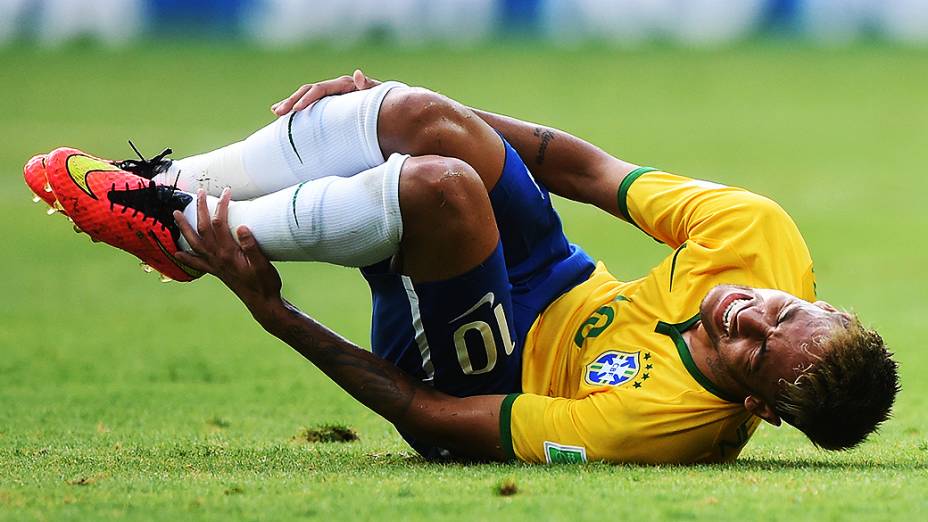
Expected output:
{"points": [[479, 335]]}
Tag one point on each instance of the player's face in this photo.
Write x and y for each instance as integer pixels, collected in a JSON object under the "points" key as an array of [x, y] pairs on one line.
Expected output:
{"points": [[764, 335]]}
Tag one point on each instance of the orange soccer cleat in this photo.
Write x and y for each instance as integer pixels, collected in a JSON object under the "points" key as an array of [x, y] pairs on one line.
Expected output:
{"points": [[120, 208], [34, 173]]}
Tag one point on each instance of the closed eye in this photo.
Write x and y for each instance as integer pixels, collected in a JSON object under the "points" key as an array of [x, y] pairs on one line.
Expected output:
{"points": [[786, 314], [759, 356]]}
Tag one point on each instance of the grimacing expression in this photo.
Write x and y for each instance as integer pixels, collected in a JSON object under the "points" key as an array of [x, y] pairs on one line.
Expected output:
{"points": [[763, 336]]}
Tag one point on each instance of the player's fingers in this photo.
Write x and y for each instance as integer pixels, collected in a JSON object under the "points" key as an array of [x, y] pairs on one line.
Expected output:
{"points": [[361, 81], [340, 85], [203, 219], [284, 106], [220, 221], [316, 93], [195, 262], [250, 246], [193, 239]]}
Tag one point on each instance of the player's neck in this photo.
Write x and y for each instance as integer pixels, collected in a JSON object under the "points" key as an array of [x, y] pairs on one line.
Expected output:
{"points": [[706, 357]]}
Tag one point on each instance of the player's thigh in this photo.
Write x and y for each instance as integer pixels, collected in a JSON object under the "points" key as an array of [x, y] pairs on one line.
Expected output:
{"points": [[457, 334], [541, 262]]}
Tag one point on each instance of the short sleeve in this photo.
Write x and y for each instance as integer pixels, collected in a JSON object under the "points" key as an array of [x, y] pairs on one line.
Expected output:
{"points": [[606, 426], [558, 430]]}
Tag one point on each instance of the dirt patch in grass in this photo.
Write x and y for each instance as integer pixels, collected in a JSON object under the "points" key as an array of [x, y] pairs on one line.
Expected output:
{"points": [[507, 488], [326, 433], [217, 422], [234, 490], [87, 481]]}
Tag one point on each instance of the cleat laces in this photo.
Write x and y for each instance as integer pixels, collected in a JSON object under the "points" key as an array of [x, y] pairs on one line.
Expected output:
{"points": [[146, 168], [153, 201]]}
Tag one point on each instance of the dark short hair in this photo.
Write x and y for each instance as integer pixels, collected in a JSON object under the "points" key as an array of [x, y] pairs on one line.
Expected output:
{"points": [[846, 393]]}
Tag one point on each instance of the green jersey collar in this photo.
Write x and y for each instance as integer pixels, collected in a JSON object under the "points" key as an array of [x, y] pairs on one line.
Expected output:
{"points": [[675, 332]]}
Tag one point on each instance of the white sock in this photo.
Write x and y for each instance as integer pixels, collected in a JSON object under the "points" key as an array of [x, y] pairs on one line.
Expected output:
{"points": [[352, 221], [336, 136]]}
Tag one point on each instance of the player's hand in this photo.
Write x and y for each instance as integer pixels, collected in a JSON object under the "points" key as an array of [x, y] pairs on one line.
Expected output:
{"points": [[311, 92], [239, 265]]}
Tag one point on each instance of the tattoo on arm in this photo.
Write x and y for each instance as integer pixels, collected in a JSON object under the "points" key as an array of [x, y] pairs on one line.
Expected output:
{"points": [[545, 136], [374, 382], [468, 426]]}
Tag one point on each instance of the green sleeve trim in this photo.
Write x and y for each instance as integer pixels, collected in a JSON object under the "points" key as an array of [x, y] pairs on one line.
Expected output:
{"points": [[675, 332], [505, 425], [623, 191]]}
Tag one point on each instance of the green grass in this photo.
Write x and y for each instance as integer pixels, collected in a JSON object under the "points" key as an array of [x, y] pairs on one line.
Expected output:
{"points": [[121, 396]]}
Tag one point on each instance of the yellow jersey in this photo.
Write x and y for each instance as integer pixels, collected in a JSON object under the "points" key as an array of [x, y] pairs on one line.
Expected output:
{"points": [[607, 374]]}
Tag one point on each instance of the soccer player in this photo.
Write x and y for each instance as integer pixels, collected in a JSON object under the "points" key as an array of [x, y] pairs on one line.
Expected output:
{"points": [[493, 337]]}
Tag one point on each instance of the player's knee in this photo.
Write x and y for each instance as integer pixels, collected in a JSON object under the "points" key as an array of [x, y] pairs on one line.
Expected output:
{"points": [[444, 191], [424, 119]]}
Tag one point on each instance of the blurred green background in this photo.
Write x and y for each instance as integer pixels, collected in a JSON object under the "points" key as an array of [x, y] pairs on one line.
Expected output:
{"points": [[122, 396]]}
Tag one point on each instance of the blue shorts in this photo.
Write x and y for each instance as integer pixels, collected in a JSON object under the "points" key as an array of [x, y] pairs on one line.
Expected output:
{"points": [[464, 335]]}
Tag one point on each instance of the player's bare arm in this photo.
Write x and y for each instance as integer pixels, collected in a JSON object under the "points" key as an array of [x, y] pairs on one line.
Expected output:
{"points": [[468, 426], [567, 165]]}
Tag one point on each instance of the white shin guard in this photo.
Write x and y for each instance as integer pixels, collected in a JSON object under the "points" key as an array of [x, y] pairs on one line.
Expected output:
{"points": [[336, 136], [353, 221]]}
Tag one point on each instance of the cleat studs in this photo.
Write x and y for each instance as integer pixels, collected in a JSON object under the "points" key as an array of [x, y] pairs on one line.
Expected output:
{"points": [[146, 268], [57, 206], [51, 211], [48, 187], [165, 279], [36, 199]]}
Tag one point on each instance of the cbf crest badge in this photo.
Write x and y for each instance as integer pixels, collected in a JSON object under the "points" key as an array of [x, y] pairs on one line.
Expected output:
{"points": [[613, 368]]}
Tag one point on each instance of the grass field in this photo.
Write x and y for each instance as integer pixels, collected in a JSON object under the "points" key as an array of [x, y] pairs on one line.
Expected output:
{"points": [[124, 397]]}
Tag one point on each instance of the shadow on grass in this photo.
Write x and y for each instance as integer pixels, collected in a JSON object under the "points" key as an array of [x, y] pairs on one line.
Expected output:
{"points": [[746, 465], [777, 463]]}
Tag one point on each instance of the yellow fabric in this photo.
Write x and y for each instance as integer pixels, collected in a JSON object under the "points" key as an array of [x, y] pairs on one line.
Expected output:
{"points": [[662, 414]]}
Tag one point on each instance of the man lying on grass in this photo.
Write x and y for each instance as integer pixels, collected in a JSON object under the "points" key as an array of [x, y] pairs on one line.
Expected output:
{"points": [[493, 336]]}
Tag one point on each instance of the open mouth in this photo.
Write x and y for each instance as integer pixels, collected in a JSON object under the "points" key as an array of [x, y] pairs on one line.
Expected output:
{"points": [[728, 308], [726, 316]]}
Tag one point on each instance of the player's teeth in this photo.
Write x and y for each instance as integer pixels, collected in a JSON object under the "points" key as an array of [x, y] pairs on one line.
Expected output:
{"points": [[36, 199], [726, 318]]}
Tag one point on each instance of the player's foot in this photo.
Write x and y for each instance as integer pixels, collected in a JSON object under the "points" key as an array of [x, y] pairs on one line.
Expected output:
{"points": [[34, 173], [120, 208]]}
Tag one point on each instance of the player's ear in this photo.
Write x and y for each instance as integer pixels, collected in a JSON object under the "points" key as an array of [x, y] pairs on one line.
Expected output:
{"points": [[761, 409]]}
